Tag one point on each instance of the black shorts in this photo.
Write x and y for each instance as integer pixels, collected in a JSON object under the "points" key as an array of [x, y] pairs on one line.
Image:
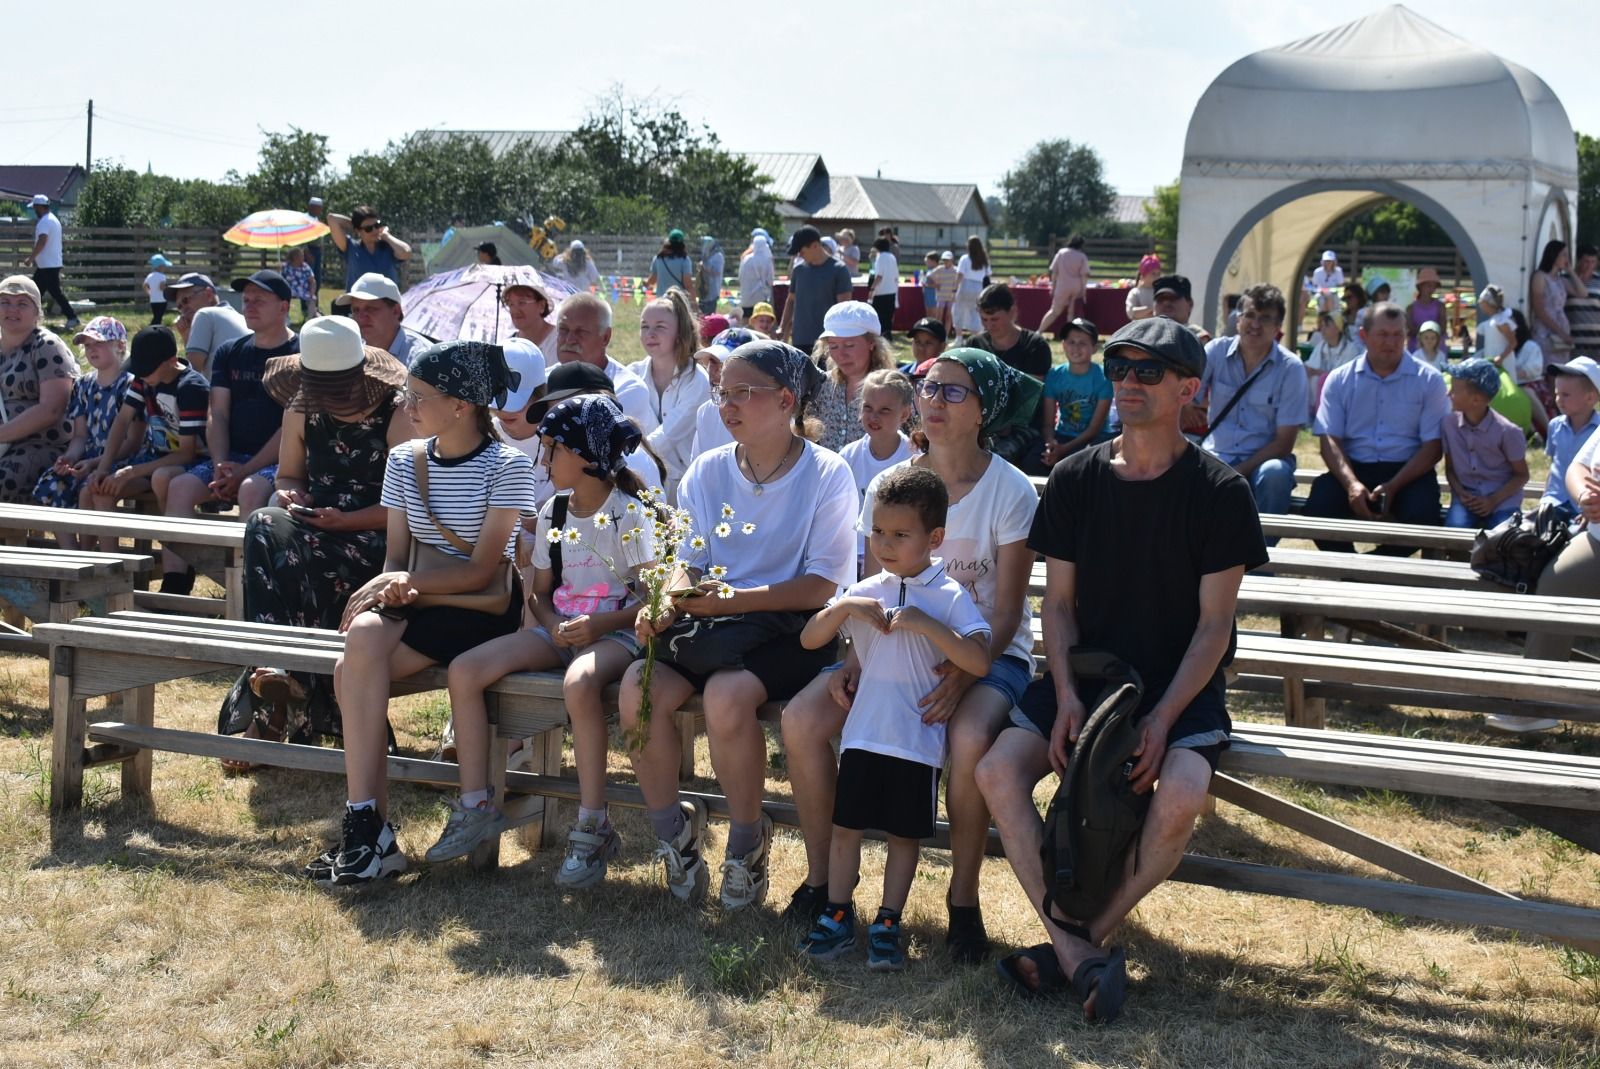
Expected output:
{"points": [[1202, 727], [442, 633], [784, 666], [887, 794]]}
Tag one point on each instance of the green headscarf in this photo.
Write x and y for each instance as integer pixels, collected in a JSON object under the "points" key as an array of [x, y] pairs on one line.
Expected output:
{"points": [[1007, 396]]}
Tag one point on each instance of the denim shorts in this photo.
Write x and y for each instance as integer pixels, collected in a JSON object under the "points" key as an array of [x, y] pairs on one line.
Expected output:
{"points": [[205, 472], [1010, 675], [626, 639]]}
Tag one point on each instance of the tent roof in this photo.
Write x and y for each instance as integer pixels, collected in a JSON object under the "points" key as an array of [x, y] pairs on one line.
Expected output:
{"points": [[1391, 92]]}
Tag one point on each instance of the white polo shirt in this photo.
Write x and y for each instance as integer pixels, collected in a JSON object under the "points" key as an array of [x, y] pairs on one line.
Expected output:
{"points": [[897, 668]]}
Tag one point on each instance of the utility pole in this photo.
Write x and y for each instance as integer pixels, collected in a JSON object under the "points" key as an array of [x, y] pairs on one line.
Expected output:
{"points": [[88, 145]]}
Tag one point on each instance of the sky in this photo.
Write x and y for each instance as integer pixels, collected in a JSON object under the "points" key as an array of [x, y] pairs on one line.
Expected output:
{"points": [[938, 90]]}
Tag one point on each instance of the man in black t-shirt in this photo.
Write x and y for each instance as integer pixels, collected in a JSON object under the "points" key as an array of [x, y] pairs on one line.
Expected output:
{"points": [[1026, 350], [1146, 539]]}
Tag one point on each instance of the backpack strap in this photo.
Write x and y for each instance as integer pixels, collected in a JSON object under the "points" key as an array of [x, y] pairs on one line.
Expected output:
{"points": [[558, 520], [419, 467]]}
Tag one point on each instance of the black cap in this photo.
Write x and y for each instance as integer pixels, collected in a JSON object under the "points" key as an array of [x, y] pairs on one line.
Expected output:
{"points": [[929, 326], [806, 235], [268, 280], [570, 380], [151, 347], [1165, 339], [1174, 284], [1085, 325], [189, 281]]}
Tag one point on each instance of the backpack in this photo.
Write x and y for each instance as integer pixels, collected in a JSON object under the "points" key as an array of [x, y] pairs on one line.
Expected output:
{"points": [[1095, 816], [1515, 552]]}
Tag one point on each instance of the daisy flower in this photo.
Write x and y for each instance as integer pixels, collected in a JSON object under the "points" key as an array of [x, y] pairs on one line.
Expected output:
{"points": [[697, 542], [553, 535], [602, 520], [727, 511], [717, 571], [749, 528], [572, 536], [723, 530]]}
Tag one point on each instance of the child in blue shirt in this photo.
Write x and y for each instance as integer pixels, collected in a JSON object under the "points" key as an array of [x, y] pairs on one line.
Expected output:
{"points": [[1577, 391], [1077, 395]]}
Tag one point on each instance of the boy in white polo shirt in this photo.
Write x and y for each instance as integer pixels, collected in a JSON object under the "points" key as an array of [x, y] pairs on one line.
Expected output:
{"points": [[903, 622]]}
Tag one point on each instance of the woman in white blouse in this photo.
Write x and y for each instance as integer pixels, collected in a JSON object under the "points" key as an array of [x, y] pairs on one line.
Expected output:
{"points": [[669, 330]]}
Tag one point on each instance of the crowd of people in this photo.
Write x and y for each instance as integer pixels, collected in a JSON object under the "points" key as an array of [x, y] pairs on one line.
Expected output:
{"points": [[491, 508]]}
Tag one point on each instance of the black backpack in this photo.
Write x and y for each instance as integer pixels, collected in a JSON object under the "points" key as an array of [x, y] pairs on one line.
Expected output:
{"points": [[1095, 816], [1515, 552]]}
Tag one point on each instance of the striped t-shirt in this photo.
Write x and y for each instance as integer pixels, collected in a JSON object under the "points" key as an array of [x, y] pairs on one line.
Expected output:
{"points": [[461, 491]]}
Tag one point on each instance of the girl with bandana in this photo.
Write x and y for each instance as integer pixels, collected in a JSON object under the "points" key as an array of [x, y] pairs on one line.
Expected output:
{"points": [[584, 611], [800, 501], [669, 330], [477, 489], [966, 394]]}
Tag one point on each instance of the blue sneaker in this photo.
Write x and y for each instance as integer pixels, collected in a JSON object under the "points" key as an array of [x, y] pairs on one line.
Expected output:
{"points": [[832, 936], [884, 953]]}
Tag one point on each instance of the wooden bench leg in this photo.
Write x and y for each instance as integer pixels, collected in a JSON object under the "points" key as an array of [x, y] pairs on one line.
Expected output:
{"points": [[543, 827], [138, 707], [1299, 710], [688, 728], [233, 587], [486, 855], [69, 723]]}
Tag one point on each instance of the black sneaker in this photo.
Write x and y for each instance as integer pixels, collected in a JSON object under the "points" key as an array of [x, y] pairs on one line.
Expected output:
{"points": [[806, 905], [362, 858], [965, 934], [178, 582], [320, 870]]}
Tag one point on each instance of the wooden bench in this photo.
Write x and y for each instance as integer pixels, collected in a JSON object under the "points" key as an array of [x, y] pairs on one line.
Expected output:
{"points": [[214, 546], [1371, 568], [132, 651], [48, 585]]}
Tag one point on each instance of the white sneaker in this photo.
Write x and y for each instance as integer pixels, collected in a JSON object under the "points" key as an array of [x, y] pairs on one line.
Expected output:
{"points": [[687, 877], [588, 850], [744, 879], [1520, 725]]}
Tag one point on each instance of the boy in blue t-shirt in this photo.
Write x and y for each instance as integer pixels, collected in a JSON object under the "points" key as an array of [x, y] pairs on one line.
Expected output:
{"points": [[1077, 395], [904, 622], [1577, 391]]}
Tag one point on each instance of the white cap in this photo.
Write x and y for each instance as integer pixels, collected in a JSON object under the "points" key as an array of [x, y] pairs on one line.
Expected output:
{"points": [[527, 362], [39, 201], [370, 287], [576, 244], [1329, 254], [315, 202], [850, 319], [331, 343], [1578, 365], [947, 255]]}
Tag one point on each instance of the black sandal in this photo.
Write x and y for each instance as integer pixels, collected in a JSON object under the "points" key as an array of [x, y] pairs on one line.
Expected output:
{"points": [[1051, 980]]}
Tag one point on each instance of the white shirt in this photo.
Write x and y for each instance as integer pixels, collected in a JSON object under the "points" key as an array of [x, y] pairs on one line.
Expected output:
{"points": [[1322, 279], [1528, 366], [591, 569], [885, 275], [49, 227], [674, 410], [897, 668], [1494, 341], [153, 283], [865, 467], [632, 394], [709, 430], [802, 518], [997, 512]]}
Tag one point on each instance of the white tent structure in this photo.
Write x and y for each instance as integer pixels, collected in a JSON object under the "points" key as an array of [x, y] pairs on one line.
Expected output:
{"points": [[1290, 141]]}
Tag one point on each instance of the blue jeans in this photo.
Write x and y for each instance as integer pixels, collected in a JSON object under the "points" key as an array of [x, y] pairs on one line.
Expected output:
{"points": [[1459, 516], [1273, 484]]}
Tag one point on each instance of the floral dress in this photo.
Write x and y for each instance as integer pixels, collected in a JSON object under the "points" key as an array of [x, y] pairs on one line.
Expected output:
{"points": [[839, 415], [41, 356], [298, 575], [97, 405]]}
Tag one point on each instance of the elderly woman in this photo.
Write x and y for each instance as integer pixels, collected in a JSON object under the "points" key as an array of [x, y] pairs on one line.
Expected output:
{"points": [[37, 371], [367, 245], [323, 535]]}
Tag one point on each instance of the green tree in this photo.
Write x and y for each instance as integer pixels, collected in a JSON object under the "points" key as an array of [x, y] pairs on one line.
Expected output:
{"points": [[290, 168], [1161, 214], [1588, 189], [110, 196], [1392, 222], [1055, 188]]}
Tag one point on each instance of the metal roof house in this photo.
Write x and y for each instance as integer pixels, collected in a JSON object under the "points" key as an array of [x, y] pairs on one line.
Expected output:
{"points": [[60, 183]]}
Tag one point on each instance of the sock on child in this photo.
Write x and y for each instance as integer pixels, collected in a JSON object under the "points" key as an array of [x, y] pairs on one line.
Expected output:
{"points": [[667, 823]]}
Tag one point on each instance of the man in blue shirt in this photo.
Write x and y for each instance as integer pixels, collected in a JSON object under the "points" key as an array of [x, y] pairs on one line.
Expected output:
{"points": [[1255, 396], [1379, 422]]}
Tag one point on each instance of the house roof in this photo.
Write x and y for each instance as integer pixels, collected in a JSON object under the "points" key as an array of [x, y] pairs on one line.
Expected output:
{"points": [[852, 197], [788, 172], [24, 180], [1126, 208], [501, 141]]}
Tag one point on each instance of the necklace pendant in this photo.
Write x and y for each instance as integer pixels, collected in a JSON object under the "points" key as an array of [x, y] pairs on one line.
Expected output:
{"points": [[756, 489]]}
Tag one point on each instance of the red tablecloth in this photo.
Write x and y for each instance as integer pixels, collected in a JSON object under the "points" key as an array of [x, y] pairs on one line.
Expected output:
{"points": [[1106, 305]]}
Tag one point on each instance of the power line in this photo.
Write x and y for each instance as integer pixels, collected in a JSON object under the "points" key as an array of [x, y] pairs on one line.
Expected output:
{"points": [[173, 133], [174, 129], [48, 138], [49, 118]]}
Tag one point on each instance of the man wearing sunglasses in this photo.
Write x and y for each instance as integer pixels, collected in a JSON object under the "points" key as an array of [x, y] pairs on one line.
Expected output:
{"points": [[1145, 539], [373, 247]]}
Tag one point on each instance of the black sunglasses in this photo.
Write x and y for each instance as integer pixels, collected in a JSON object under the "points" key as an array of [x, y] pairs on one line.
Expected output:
{"points": [[1148, 372]]}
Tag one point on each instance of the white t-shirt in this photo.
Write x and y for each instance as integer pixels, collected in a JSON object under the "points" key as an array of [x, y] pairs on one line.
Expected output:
{"points": [[461, 491], [709, 430], [885, 275], [897, 668], [1322, 279], [1494, 341], [50, 227], [1528, 366], [971, 277], [1589, 457], [674, 410], [632, 394], [593, 568], [153, 283], [865, 467], [802, 518], [997, 512]]}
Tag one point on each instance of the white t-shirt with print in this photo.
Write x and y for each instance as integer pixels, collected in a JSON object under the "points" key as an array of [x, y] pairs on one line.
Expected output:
{"points": [[593, 569], [865, 467], [802, 518], [897, 669], [996, 512]]}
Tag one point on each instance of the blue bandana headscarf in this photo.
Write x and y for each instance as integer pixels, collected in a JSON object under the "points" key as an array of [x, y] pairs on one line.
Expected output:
{"points": [[783, 364], [470, 371], [595, 428], [1479, 373]]}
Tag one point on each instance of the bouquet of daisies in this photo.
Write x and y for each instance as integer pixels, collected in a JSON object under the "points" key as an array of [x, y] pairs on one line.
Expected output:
{"points": [[674, 537]]}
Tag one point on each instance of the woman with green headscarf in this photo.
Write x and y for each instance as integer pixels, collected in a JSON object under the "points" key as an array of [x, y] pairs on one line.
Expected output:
{"points": [[966, 395]]}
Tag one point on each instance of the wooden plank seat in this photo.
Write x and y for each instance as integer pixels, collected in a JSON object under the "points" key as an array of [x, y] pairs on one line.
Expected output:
{"points": [[214, 546], [133, 651], [47, 585], [1369, 568]]}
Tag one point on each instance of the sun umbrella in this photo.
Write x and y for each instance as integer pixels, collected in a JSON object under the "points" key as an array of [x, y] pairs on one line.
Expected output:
{"points": [[276, 228], [465, 303]]}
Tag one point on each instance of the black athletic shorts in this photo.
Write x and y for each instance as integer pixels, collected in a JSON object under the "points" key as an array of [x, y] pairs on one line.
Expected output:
{"points": [[784, 666], [1203, 727], [887, 794]]}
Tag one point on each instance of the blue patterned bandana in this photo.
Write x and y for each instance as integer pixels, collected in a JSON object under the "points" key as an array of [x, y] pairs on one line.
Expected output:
{"points": [[595, 428], [1479, 373], [783, 364], [470, 371]]}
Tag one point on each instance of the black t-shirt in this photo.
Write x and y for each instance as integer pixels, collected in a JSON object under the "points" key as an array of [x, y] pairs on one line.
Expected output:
{"points": [[253, 416], [1141, 549], [1030, 355]]}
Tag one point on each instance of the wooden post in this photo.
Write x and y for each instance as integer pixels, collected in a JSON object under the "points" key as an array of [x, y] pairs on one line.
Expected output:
{"points": [[688, 725], [138, 707], [233, 586], [68, 723]]}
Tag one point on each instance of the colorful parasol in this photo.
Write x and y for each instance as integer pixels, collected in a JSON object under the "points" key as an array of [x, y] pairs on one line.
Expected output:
{"points": [[465, 303], [276, 228]]}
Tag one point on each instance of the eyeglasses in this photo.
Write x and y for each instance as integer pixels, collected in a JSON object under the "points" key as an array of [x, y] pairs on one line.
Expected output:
{"points": [[413, 400], [953, 392], [1148, 372], [367, 228], [739, 395]]}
